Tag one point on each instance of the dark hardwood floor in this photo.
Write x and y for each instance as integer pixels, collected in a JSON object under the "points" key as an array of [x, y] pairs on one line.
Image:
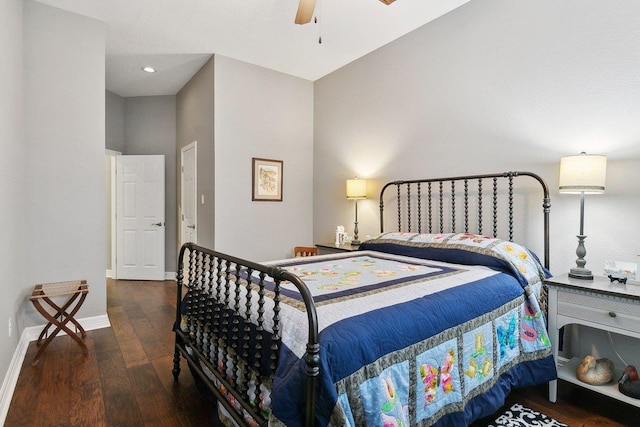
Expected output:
{"points": [[126, 378]]}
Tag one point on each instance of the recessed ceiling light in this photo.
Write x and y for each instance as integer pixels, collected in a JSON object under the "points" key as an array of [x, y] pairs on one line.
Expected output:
{"points": [[148, 69]]}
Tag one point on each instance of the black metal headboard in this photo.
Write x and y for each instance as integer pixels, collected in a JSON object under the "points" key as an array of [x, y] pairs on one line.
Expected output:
{"points": [[479, 204]]}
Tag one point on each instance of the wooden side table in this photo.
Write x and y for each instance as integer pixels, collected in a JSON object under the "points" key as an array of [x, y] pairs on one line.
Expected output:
{"points": [[598, 303], [75, 291]]}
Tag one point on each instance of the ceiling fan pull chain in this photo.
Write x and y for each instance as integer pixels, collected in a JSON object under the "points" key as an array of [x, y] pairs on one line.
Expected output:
{"points": [[315, 21]]}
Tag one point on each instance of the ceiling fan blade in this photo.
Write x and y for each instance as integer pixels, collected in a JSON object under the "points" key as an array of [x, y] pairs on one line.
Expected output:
{"points": [[305, 11]]}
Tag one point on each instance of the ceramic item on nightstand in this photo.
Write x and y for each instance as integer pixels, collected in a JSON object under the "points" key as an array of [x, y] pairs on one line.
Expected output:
{"points": [[595, 371], [629, 384]]}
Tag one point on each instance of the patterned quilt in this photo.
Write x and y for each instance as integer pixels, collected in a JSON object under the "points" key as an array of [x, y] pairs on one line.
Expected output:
{"points": [[415, 341]]}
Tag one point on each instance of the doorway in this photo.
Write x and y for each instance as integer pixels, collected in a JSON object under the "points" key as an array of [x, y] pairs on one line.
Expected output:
{"points": [[189, 192]]}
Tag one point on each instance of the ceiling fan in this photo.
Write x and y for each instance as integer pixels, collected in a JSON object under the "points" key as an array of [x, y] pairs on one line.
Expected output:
{"points": [[306, 7]]}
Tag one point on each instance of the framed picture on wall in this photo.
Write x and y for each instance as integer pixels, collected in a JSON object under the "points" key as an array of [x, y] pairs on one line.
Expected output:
{"points": [[266, 180]]}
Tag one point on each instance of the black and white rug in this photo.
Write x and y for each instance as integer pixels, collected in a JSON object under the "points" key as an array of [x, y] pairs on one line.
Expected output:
{"points": [[521, 416]]}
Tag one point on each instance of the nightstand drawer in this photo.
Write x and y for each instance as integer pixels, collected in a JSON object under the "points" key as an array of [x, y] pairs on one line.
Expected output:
{"points": [[601, 310]]}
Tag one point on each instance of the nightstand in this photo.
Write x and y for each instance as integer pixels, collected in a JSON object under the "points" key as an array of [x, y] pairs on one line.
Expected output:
{"points": [[330, 248], [598, 303]]}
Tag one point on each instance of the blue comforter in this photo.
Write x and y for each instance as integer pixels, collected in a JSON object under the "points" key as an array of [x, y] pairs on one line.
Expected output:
{"points": [[426, 343]]}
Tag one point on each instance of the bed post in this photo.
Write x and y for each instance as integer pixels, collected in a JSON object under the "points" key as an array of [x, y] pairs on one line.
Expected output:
{"points": [[179, 281], [546, 208], [312, 356]]}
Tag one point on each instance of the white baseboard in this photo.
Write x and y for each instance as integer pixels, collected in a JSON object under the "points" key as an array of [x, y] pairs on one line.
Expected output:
{"points": [[88, 323], [168, 275], [11, 378], [31, 334]]}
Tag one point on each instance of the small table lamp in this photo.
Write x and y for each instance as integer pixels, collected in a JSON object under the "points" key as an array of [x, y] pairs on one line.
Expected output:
{"points": [[582, 174], [356, 190]]}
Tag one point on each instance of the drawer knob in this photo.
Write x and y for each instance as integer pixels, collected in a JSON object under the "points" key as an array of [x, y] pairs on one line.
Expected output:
{"points": [[612, 314]]}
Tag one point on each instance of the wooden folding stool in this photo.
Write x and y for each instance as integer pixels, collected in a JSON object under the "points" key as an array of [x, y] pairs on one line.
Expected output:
{"points": [[76, 291]]}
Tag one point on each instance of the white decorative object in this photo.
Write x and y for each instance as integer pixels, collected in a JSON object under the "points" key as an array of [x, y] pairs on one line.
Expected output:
{"points": [[339, 235], [621, 269], [595, 371]]}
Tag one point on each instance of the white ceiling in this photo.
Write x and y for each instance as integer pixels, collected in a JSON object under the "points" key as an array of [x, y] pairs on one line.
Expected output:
{"points": [[178, 36]]}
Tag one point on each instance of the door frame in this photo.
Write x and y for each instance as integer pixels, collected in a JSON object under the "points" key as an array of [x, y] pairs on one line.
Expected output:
{"points": [[112, 214], [194, 146]]}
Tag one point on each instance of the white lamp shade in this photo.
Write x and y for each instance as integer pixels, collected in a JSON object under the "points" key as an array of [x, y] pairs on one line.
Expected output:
{"points": [[584, 173], [356, 188]]}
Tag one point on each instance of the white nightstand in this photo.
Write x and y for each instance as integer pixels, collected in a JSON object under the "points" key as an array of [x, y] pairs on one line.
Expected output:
{"points": [[600, 304], [330, 248]]}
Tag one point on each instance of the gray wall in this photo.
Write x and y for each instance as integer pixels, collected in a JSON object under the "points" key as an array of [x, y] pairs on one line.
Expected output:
{"points": [[195, 122], [150, 128], [494, 85], [64, 121], [114, 122], [13, 262], [267, 114]]}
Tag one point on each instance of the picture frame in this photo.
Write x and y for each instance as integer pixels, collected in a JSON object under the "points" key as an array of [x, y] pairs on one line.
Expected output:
{"points": [[266, 178]]}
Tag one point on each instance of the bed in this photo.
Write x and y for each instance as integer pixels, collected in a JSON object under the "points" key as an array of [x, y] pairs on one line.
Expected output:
{"points": [[432, 322]]}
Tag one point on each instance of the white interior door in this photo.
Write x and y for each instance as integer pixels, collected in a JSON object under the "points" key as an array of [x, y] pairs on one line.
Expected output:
{"points": [[140, 217], [189, 203]]}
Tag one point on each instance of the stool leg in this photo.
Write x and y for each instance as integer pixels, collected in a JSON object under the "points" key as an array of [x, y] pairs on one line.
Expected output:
{"points": [[60, 324], [62, 311], [42, 345], [69, 318]]}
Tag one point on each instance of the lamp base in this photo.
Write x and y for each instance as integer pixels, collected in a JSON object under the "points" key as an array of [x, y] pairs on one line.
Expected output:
{"points": [[581, 273], [355, 242]]}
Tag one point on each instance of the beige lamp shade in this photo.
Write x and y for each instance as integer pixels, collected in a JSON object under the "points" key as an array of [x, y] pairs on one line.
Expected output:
{"points": [[356, 188], [584, 173]]}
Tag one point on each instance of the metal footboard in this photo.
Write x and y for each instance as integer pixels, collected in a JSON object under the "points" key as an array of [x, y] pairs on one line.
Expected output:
{"points": [[228, 336]]}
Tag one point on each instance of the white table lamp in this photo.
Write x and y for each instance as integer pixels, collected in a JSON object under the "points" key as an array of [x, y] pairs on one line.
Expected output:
{"points": [[356, 190], [582, 174]]}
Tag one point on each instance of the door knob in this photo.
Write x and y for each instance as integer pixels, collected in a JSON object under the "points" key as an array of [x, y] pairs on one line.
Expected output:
{"points": [[159, 224]]}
